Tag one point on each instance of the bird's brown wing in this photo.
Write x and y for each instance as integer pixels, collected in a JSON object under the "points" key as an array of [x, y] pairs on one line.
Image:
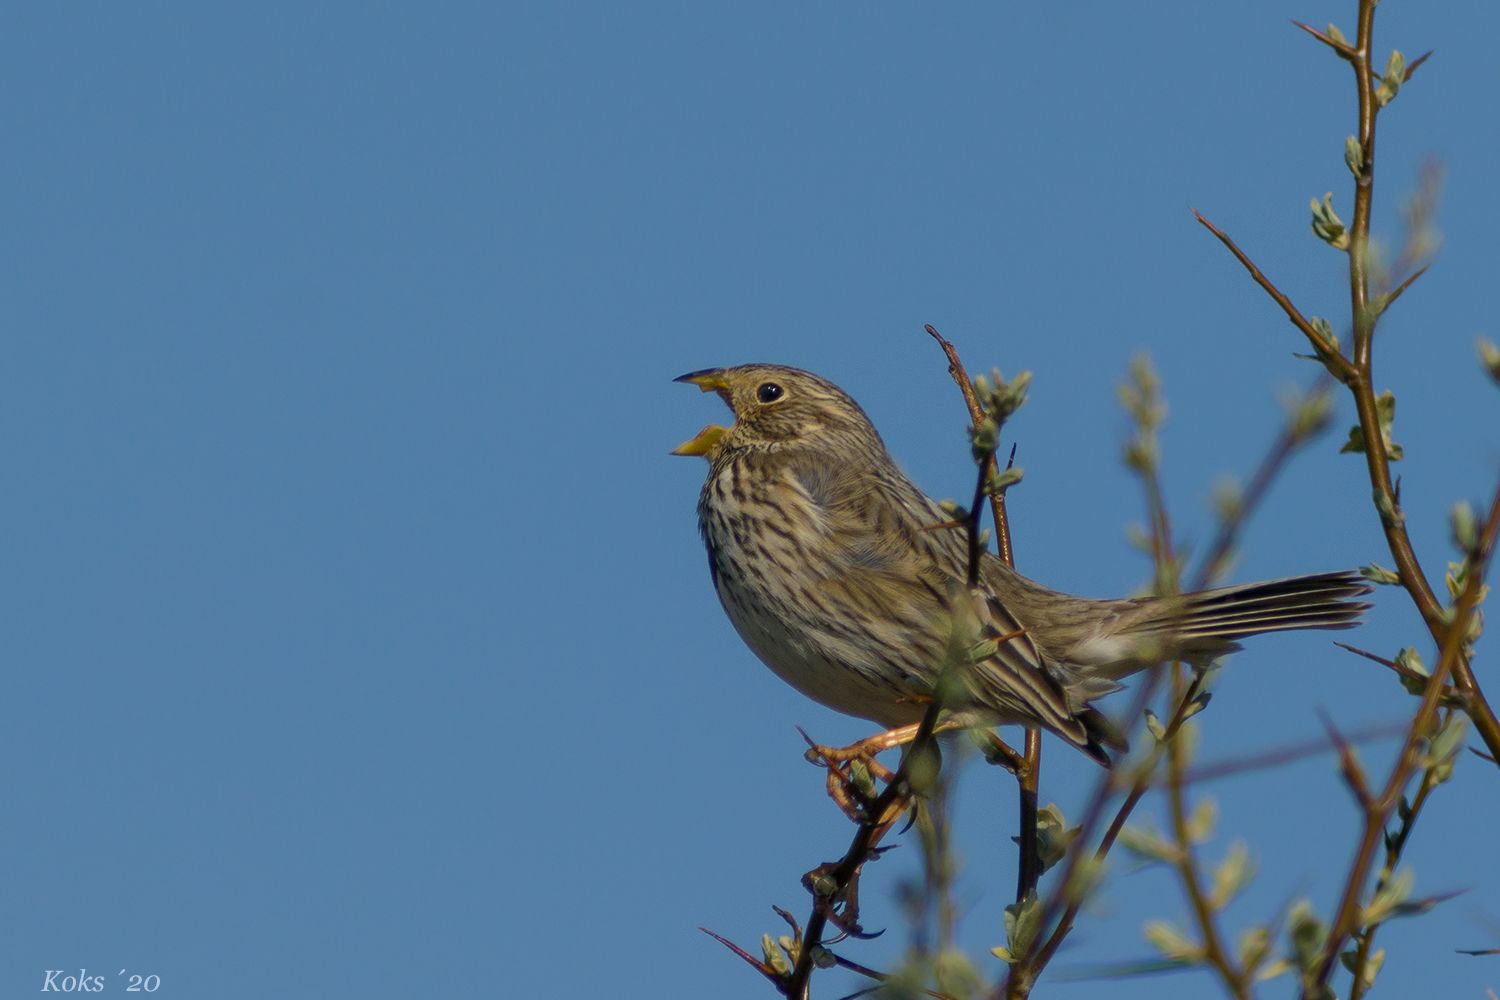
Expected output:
{"points": [[895, 562]]}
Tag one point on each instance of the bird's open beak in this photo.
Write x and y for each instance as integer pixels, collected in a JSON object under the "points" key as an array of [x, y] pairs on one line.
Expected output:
{"points": [[703, 443], [709, 380]]}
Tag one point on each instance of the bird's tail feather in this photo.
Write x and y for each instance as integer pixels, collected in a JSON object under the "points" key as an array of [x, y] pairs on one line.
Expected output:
{"points": [[1212, 618]]}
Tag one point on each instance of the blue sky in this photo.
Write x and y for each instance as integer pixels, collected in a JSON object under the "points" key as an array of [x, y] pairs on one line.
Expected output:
{"points": [[358, 637]]}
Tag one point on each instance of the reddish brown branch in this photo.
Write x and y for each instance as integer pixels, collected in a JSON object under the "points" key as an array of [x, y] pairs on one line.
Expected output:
{"points": [[1337, 363], [1396, 294]]}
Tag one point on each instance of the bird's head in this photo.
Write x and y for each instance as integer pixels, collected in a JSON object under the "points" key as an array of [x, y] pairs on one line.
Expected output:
{"points": [[780, 409]]}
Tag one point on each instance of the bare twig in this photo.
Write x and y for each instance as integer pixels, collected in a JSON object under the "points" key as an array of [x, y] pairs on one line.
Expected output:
{"points": [[1280, 756], [1337, 364], [1396, 293]]}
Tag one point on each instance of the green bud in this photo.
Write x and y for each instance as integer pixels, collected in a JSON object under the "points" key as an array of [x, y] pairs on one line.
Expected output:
{"points": [[1158, 731], [1053, 836], [1388, 512], [1354, 155], [1307, 935], [1003, 480], [1391, 80], [1200, 829], [985, 437], [1376, 573], [1326, 224], [956, 511], [1465, 527], [1334, 33], [774, 958], [1411, 660], [1385, 416]]}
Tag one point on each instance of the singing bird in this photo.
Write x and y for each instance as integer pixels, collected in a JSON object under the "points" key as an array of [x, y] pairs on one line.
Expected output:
{"points": [[827, 562]]}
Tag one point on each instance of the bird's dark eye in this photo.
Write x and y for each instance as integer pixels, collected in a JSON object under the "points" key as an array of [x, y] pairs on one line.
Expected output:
{"points": [[769, 392]]}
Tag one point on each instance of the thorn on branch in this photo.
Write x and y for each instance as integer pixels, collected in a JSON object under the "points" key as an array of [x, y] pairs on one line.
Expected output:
{"points": [[1417, 62]]}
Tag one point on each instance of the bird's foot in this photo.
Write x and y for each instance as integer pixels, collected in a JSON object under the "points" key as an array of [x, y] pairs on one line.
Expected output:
{"points": [[853, 770]]}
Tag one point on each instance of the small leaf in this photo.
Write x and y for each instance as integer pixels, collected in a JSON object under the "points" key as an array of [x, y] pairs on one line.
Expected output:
{"points": [[1148, 845], [1022, 922], [1376, 573], [1391, 895], [1280, 967], [1171, 942], [1232, 875], [1254, 944], [1373, 963], [1391, 80], [1442, 750], [1334, 33], [1200, 829]]}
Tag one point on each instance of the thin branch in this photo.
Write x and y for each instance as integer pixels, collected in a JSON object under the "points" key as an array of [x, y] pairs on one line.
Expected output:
{"points": [[1396, 294], [1279, 756], [1349, 766], [1451, 695], [759, 966], [879, 977], [1339, 365]]}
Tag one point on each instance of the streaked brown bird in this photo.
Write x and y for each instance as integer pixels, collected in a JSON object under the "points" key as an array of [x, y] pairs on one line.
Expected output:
{"points": [[825, 558]]}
